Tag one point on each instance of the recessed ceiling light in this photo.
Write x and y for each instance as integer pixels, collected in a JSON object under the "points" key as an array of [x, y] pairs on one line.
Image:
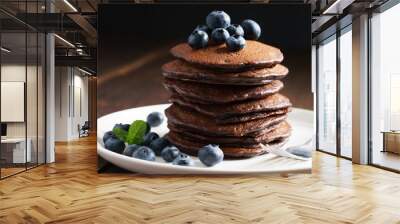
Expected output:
{"points": [[5, 50], [64, 40], [337, 7], [70, 6], [84, 71]]}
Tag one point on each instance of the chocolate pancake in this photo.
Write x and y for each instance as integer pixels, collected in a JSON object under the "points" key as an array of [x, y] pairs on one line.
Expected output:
{"points": [[179, 69], [251, 116], [239, 111], [192, 147], [281, 131], [207, 93], [254, 54], [195, 131], [200, 123]]}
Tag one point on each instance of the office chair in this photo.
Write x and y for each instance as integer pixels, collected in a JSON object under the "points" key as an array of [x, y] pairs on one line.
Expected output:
{"points": [[84, 130]]}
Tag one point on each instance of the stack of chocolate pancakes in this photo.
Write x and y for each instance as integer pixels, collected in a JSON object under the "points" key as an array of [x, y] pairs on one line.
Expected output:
{"points": [[227, 98]]}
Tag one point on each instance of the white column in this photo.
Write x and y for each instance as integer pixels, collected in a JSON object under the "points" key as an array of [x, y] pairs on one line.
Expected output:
{"points": [[314, 91], [50, 100], [360, 90]]}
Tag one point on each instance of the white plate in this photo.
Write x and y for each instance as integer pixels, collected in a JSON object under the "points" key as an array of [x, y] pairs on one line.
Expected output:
{"points": [[301, 121]]}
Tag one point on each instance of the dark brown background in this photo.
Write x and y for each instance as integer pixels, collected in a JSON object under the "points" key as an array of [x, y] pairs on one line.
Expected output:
{"points": [[134, 41]]}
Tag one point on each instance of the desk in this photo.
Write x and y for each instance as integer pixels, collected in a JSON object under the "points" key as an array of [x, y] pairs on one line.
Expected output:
{"points": [[16, 147], [391, 141]]}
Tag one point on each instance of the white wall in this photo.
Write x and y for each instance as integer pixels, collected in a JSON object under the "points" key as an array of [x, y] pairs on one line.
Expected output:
{"points": [[71, 94], [12, 101], [80, 110], [62, 81]]}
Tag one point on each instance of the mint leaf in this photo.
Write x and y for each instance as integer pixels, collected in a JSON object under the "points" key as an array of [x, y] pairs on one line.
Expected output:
{"points": [[136, 132], [120, 133]]}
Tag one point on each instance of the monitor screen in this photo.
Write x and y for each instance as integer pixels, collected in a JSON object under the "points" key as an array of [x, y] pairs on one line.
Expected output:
{"points": [[3, 129]]}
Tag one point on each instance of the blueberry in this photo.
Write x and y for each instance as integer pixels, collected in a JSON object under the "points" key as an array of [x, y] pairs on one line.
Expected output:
{"points": [[218, 19], [219, 35], [149, 137], [210, 155], [144, 153], [159, 144], [198, 39], [128, 151], [126, 127], [155, 119], [148, 128], [122, 126], [235, 43], [107, 135], [235, 29], [252, 30], [203, 28], [115, 145], [183, 160], [169, 153]]}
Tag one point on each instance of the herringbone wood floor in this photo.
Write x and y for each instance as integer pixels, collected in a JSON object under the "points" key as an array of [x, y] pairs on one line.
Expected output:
{"points": [[71, 191]]}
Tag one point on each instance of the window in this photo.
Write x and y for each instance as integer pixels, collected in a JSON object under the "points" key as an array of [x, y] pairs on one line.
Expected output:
{"points": [[22, 78], [335, 94], [346, 92], [327, 95], [385, 89]]}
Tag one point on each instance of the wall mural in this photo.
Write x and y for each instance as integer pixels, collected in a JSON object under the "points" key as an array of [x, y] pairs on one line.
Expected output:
{"points": [[238, 78]]}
